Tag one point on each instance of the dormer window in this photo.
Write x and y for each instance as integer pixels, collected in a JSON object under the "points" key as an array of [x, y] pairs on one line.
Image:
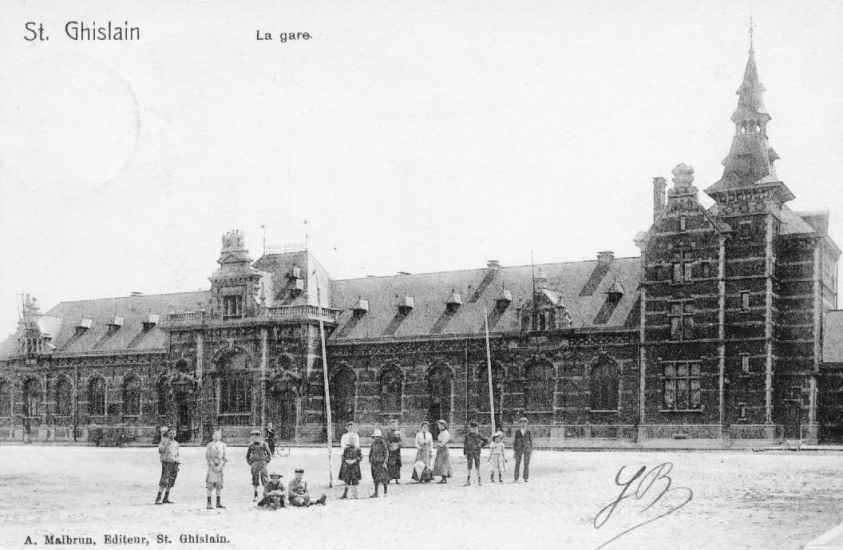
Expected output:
{"points": [[296, 287], [84, 324], [406, 305], [232, 307], [114, 324], [295, 272], [503, 300], [454, 302], [361, 307], [615, 292], [150, 321]]}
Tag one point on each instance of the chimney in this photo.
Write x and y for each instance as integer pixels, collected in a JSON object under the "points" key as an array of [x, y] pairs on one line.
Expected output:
{"points": [[493, 265], [659, 186], [605, 257]]}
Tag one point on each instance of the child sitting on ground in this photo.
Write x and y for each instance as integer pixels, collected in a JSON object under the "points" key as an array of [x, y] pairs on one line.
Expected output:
{"points": [[273, 493]]}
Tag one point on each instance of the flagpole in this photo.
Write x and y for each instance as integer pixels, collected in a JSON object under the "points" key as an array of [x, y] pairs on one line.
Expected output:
{"points": [[329, 427], [489, 367]]}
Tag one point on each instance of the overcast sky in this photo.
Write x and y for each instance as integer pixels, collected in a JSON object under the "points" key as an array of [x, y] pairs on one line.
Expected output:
{"points": [[415, 136]]}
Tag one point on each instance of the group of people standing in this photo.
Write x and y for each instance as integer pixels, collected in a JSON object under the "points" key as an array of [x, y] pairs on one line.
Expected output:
{"points": [[432, 458], [258, 455]]}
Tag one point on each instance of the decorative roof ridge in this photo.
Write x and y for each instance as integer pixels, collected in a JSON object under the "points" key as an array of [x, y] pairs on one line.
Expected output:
{"points": [[467, 270]]}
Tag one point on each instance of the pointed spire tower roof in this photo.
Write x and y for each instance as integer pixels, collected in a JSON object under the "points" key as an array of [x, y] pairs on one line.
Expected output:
{"points": [[750, 162]]}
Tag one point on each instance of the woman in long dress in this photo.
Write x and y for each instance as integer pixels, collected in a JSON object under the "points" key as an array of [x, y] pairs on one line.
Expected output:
{"points": [[442, 465], [424, 444]]}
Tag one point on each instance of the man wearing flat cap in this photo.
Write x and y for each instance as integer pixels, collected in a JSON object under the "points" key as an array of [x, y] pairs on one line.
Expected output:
{"points": [[258, 456]]}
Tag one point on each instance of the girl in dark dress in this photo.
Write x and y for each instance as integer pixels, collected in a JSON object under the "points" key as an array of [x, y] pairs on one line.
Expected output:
{"points": [[350, 470], [378, 453], [393, 462]]}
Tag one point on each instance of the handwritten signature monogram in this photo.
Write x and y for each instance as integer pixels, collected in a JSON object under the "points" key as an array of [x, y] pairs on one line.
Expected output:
{"points": [[656, 481]]}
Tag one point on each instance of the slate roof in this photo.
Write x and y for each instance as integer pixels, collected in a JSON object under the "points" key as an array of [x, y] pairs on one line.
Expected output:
{"points": [[793, 222], [431, 291], [130, 336], [833, 336], [479, 290]]}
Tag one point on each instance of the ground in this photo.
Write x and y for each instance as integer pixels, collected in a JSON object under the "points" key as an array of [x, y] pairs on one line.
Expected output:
{"points": [[740, 500]]}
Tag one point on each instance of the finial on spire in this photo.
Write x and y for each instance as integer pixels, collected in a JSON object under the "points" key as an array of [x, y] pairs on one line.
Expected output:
{"points": [[751, 32]]}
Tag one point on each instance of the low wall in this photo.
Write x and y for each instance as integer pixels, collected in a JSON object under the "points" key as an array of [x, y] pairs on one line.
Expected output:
{"points": [[561, 436]]}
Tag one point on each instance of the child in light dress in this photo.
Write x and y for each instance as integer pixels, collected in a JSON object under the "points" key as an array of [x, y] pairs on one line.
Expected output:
{"points": [[497, 456]]}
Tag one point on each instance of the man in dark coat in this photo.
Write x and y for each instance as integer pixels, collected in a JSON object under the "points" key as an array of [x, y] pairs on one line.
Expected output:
{"points": [[523, 448], [378, 454], [473, 443]]}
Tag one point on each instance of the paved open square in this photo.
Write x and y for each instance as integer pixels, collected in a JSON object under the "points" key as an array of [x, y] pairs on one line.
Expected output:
{"points": [[764, 500]]}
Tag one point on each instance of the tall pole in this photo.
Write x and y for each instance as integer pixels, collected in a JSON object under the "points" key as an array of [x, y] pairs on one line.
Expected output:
{"points": [[489, 367], [329, 427]]}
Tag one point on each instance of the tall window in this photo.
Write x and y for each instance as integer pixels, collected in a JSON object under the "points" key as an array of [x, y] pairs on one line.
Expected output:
{"points": [[540, 384], [232, 307], [63, 397], [604, 386], [343, 385], [5, 398], [31, 397], [391, 390], [497, 387], [744, 300], [681, 385], [235, 395], [682, 320], [131, 397], [162, 392], [683, 269], [96, 397]]}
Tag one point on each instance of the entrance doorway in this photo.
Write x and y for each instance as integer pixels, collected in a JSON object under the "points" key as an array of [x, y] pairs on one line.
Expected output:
{"points": [[792, 421], [184, 413], [282, 412], [342, 400], [440, 392]]}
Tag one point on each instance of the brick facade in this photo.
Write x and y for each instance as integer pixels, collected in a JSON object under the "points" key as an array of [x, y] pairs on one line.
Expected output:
{"points": [[713, 336]]}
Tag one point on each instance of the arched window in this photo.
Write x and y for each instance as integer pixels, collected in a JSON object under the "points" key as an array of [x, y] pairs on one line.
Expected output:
{"points": [[64, 394], [5, 398], [391, 389], [235, 394], [131, 396], [162, 391], [483, 387], [343, 391], [31, 397], [540, 384], [96, 397], [604, 385]]}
